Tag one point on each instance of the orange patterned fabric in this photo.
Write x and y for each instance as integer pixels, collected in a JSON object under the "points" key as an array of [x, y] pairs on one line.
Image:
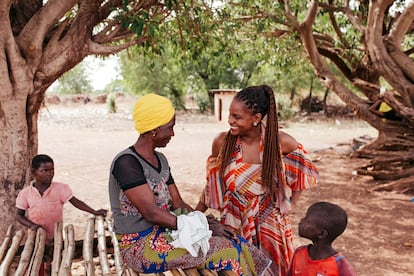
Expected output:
{"points": [[245, 207]]}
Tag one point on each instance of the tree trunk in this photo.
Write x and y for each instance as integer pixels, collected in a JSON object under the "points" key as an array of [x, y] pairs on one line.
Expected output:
{"points": [[39, 42], [18, 136]]}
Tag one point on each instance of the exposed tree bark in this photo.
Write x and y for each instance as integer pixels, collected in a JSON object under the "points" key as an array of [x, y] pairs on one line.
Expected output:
{"points": [[37, 256], [8, 259], [100, 231], [6, 242], [26, 254], [87, 246], [57, 248], [69, 251]]}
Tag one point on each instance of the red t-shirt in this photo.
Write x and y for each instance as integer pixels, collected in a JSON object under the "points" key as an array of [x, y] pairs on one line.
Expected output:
{"points": [[303, 265]]}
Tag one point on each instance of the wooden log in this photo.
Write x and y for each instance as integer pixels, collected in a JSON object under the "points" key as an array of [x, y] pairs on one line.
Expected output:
{"points": [[67, 257], [26, 254], [5, 265], [88, 246], [6, 242], [100, 228], [227, 273], [207, 272], [191, 272], [176, 272], [37, 256], [119, 264], [57, 249]]}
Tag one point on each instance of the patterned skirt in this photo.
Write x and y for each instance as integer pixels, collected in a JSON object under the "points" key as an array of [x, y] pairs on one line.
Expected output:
{"points": [[151, 252]]}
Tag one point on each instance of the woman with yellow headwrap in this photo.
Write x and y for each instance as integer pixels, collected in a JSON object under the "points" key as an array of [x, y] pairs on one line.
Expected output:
{"points": [[156, 229]]}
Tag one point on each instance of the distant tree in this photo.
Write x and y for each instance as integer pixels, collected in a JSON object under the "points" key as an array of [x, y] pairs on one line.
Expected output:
{"points": [[115, 86], [75, 81], [144, 71]]}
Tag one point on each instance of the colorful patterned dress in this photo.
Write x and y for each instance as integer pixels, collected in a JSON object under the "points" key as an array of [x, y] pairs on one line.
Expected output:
{"points": [[245, 207], [147, 248]]}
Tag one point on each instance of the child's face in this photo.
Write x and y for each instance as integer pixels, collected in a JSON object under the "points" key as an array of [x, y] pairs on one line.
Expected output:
{"points": [[309, 226], [44, 174]]}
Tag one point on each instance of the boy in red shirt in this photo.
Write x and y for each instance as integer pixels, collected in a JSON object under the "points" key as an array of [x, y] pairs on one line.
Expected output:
{"points": [[323, 223]]}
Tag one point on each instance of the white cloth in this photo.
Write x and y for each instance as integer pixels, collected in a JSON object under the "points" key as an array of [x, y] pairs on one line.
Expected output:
{"points": [[192, 233]]}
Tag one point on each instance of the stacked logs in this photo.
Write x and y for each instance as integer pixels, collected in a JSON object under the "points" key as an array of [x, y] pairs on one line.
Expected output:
{"points": [[27, 259]]}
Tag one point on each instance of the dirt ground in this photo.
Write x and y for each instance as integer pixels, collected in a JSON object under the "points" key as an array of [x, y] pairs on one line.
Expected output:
{"points": [[379, 239]]}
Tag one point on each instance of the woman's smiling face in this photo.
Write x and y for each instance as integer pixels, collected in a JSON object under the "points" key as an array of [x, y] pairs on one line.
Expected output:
{"points": [[241, 118]]}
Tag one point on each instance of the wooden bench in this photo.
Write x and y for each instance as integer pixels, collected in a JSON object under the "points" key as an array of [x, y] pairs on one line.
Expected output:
{"points": [[99, 242]]}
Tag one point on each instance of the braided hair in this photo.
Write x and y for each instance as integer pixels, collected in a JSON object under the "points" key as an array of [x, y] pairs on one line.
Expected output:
{"points": [[260, 99]]}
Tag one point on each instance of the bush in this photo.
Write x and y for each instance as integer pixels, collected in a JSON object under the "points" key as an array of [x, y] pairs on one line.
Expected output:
{"points": [[203, 103], [284, 107], [111, 103]]}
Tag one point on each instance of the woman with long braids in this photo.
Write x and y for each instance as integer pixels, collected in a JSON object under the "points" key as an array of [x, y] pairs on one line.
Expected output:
{"points": [[254, 174]]}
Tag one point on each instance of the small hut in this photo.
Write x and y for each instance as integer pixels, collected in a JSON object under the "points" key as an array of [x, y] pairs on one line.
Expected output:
{"points": [[222, 101]]}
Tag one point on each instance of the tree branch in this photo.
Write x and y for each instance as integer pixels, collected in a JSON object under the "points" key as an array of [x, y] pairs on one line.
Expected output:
{"points": [[31, 38], [99, 49], [394, 40], [336, 28], [380, 58], [295, 23], [20, 13], [327, 78], [337, 60], [354, 20]]}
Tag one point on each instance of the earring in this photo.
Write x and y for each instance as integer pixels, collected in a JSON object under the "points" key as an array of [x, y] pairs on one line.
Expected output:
{"points": [[154, 133], [255, 124]]}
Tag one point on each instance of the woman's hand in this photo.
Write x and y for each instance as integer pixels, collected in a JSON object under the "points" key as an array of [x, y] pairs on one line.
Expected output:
{"points": [[219, 229], [34, 227], [101, 212]]}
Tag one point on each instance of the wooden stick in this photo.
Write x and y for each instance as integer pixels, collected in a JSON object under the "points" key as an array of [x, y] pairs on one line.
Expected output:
{"points": [[39, 250], [119, 265], [57, 249], [64, 251], [207, 272], [191, 272], [87, 248], [26, 254], [227, 273], [66, 265], [175, 272], [6, 242], [102, 246], [5, 265]]}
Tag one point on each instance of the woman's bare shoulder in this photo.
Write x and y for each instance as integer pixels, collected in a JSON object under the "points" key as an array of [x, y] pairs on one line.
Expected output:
{"points": [[287, 142]]}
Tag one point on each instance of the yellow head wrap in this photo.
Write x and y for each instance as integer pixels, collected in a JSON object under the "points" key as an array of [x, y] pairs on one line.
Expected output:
{"points": [[152, 111]]}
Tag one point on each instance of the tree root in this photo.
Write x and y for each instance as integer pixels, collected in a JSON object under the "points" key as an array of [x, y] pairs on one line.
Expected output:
{"points": [[402, 186]]}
